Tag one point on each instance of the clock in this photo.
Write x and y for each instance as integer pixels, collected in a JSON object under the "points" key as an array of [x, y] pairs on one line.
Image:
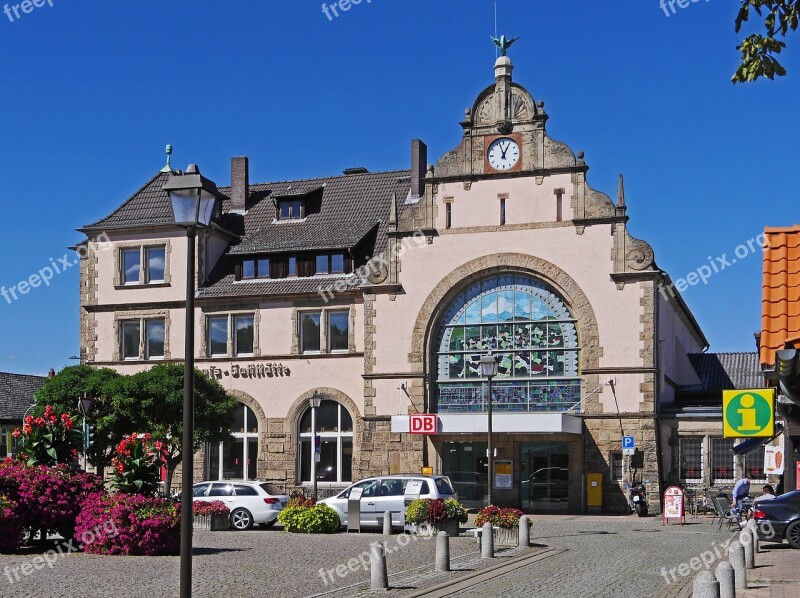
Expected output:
{"points": [[503, 153]]}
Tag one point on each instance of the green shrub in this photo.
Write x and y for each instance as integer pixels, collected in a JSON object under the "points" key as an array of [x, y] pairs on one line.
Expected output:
{"points": [[318, 519]]}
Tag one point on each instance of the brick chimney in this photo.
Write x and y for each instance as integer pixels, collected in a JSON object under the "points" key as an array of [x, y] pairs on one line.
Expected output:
{"points": [[240, 183], [419, 166], [51, 373]]}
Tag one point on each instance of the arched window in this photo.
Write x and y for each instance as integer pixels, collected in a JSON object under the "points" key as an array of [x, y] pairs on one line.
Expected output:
{"points": [[527, 325], [236, 459], [334, 427]]}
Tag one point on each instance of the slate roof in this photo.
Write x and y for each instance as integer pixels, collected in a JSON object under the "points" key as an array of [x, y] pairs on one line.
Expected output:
{"points": [[780, 299], [723, 371], [16, 394], [147, 207]]}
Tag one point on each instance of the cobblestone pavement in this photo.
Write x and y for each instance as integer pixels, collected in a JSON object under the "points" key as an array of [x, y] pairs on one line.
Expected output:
{"points": [[605, 556]]}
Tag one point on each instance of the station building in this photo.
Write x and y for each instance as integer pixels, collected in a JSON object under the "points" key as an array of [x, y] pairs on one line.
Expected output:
{"points": [[380, 291]]}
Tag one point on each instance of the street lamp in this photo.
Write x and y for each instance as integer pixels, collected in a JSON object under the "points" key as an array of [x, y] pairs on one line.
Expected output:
{"points": [[314, 402], [489, 370], [193, 198], [85, 407]]}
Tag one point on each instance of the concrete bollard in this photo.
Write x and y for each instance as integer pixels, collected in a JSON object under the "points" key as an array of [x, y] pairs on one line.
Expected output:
{"points": [[377, 565], [524, 532], [387, 523], [725, 577], [442, 552], [746, 540], [753, 527], [487, 541], [705, 585], [736, 557]]}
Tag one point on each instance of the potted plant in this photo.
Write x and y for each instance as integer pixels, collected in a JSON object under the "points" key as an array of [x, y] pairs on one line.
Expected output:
{"points": [[428, 517], [505, 524], [214, 515]]}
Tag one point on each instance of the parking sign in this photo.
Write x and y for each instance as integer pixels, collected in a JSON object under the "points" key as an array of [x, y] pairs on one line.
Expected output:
{"points": [[628, 442]]}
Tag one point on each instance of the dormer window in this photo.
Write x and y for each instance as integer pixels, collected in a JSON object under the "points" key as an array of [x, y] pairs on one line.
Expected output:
{"points": [[291, 210], [255, 268]]}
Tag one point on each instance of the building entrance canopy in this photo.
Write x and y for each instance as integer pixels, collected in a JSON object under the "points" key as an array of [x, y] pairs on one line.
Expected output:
{"points": [[557, 423]]}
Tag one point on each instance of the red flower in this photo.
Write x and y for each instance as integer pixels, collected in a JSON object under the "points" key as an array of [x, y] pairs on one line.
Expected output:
{"points": [[68, 424], [39, 422], [26, 429], [15, 433], [29, 420]]}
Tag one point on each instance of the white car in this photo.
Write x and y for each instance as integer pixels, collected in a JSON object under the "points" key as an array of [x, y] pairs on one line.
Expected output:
{"points": [[250, 502], [387, 493]]}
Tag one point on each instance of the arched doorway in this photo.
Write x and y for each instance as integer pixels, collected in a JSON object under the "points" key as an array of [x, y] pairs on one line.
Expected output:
{"points": [[334, 427]]}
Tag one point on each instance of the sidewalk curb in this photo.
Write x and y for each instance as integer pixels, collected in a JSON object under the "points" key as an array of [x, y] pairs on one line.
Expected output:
{"points": [[469, 580]]}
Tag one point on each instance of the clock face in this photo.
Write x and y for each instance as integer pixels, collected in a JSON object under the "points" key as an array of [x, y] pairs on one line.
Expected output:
{"points": [[503, 154]]}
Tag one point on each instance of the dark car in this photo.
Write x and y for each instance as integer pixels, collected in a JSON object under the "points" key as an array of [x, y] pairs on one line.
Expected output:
{"points": [[783, 515]]}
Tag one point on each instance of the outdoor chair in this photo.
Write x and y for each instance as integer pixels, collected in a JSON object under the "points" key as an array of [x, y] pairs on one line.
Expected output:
{"points": [[729, 514]]}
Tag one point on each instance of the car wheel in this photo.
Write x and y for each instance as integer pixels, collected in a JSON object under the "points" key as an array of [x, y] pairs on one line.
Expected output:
{"points": [[241, 519], [793, 534], [267, 525]]}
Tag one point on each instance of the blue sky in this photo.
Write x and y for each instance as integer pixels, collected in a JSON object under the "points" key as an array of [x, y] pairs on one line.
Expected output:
{"points": [[91, 92]]}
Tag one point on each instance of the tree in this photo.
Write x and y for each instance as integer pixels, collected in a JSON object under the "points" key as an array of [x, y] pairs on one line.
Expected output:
{"points": [[153, 400], [63, 392], [759, 52]]}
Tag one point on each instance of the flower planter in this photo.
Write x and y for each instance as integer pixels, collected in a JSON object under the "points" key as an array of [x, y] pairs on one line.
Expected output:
{"points": [[201, 522], [506, 536], [452, 528], [220, 523]]}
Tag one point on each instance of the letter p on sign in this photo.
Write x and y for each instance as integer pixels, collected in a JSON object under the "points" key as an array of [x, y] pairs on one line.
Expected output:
{"points": [[423, 424]]}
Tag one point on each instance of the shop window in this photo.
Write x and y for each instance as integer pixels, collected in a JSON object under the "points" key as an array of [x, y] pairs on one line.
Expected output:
{"points": [[754, 465], [334, 427], [722, 466], [236, 459]]}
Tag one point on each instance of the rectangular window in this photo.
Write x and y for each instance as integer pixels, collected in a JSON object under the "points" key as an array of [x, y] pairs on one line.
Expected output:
{"points": [[690, 458], [156, 264], [502, 211], [292, 266], [131, 264], [448, 215], [291, 210], [322, 264], [218, 336], [243, 341], [754, 464], [130, 333], [310, 332], [255, 268], [338, 331], [616, 467], [262, 271], [154, 346], [722, 460], [337, 263], [559, 203]]}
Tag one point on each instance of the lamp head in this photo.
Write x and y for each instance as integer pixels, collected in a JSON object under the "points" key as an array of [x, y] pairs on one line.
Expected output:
{"points": [[193, 197], [489, 364]]}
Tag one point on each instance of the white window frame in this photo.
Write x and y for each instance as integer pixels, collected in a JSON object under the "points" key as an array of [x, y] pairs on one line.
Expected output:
{"points": [[231, 348], [143, 276], [338, 436], [245, 436], [143, 353]]}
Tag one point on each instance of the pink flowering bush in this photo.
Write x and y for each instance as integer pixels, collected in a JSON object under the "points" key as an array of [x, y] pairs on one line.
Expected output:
{"points": [[11, 528], [506, 518], [46, 497], [207, 509], [129, 524]]}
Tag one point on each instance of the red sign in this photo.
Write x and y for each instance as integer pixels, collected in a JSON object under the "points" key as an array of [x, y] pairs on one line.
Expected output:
{"points": [[423, 424]]}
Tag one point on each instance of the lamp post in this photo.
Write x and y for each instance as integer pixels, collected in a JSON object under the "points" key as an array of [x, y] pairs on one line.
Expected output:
{"points": [[193, 198], [85, 404], [489, 370], [313, 402]]}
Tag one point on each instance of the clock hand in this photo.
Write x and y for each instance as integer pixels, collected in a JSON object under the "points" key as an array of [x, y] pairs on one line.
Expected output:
{"points": [[503, 151]]}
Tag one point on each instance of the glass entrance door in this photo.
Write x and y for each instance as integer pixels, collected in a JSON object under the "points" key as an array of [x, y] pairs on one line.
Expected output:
{"points": [[545, 478], [466, 465]]}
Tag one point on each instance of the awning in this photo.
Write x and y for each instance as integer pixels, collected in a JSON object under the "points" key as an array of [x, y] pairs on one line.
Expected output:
{"points": [[752, 444]]}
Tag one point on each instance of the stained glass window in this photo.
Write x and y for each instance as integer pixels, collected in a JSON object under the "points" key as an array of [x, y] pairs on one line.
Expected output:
{"points": [[527, 325]]}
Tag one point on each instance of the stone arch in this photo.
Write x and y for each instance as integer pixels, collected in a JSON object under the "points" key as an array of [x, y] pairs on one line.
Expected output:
{"points": [[467, 274], [291, 423], [254, 406]]}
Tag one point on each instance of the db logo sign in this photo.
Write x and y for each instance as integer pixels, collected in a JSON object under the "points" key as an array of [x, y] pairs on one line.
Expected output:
{"points": [[423, 424]]}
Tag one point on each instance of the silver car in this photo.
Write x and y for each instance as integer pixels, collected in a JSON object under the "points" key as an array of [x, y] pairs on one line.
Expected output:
{"points": [[387, 493], [250, 502]]}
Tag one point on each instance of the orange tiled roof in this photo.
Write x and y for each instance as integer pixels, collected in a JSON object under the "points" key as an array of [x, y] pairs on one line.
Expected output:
{"points": [[780, 299]]}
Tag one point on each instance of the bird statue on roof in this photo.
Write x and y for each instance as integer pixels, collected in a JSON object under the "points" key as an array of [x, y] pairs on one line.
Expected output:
{"points": [[503, 43]]}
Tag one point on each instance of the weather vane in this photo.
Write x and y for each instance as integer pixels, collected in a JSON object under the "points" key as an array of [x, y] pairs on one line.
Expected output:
{"points": [[503, 43]]}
